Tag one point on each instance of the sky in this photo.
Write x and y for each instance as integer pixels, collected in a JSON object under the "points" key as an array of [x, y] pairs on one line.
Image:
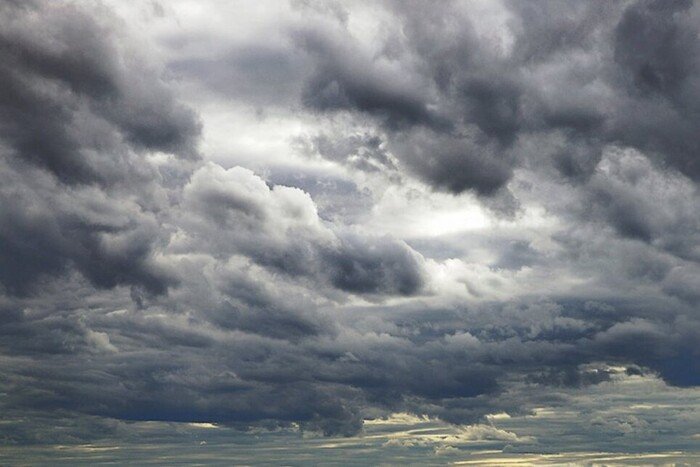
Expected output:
{"points": [[349, 232]]}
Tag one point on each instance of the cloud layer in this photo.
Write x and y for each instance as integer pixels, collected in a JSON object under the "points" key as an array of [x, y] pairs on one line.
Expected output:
{"points": [[342, 211]]}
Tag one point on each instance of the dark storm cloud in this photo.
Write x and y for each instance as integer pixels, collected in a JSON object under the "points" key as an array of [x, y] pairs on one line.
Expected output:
{"points": [[649, 65], [344, 79], [48, 229], [643, 201], [656, 47], [401, 97], [377, 266], [76, 102], [592, 72], [75, 98], [82, 114], [452, 163], [140, 283], [657, 58]]}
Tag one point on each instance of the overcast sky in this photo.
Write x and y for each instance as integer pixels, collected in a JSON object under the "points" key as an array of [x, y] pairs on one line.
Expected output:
{"points": [[359, 231]]}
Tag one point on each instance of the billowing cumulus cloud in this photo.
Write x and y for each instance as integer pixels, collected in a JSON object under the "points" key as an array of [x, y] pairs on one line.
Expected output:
{"points": [[472, 218]]}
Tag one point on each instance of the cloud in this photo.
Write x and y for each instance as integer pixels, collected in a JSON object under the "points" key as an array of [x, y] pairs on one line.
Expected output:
{"points": [[475, 209], [647, 203], [279, 227], [80, 108], [82, 87]]}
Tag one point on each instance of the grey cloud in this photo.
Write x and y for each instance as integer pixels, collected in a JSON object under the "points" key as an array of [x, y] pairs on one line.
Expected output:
{"points": [[657, 52], [279, 227], [393, 90], [683, 282], [365, 152], [141, 284], [377, 266], [344, 79], [451, 163], [574, 71], [48, 230], [78, 102], [652, 44], [73, 96], [643, 201], [550, 83]]}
